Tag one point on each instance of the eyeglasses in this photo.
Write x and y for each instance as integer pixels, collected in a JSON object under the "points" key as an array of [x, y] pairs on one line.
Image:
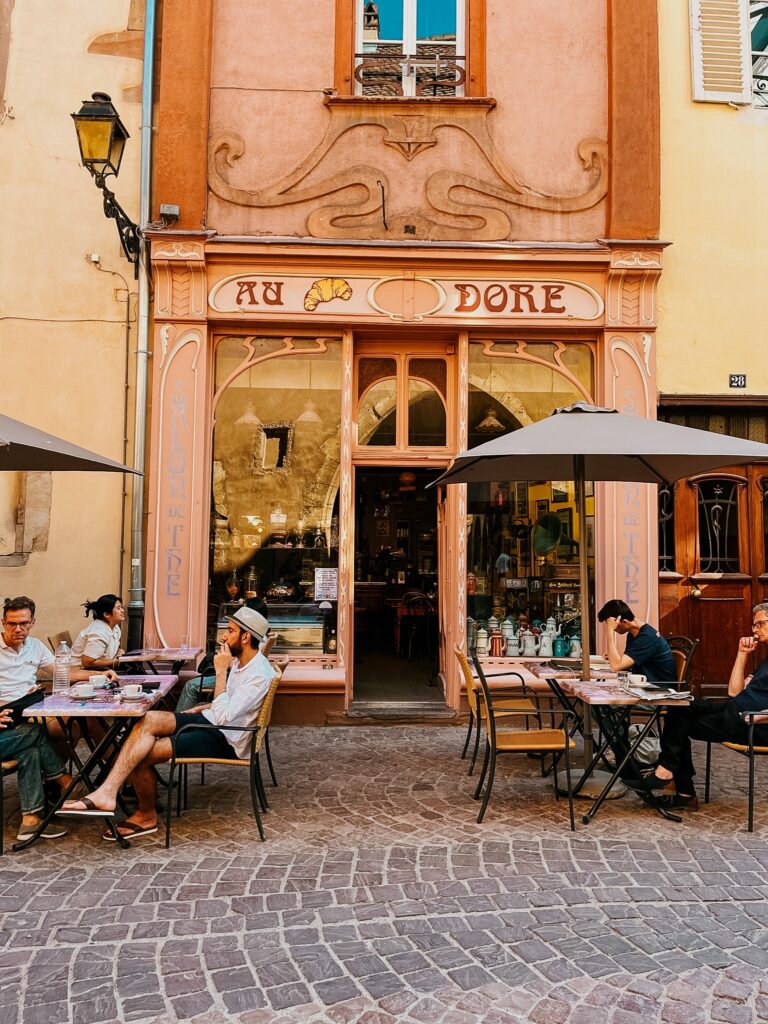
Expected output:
{"points": [[760, 624], [26, 626]]}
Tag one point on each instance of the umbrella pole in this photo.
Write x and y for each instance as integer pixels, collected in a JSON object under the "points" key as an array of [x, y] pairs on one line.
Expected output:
{"points": [[583, 567], [578, 475]]}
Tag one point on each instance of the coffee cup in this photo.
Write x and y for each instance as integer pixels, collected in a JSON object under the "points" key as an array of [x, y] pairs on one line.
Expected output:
{"points": [[637, 680], [97, 681], [132, 689], [83, 689]]}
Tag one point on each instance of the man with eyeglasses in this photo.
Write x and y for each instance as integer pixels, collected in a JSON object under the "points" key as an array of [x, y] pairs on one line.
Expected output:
{"points": [[22, 657], [714, 720]]}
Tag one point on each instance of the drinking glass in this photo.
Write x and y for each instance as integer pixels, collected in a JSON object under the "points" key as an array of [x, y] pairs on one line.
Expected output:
{"points": [[184, 642], [623, 680], [150, 642]]}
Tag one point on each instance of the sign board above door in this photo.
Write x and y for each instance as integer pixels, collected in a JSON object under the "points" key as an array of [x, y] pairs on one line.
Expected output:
{"points": [[406, 298]]}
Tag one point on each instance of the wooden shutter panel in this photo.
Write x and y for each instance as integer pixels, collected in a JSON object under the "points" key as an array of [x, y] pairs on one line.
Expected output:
{"points": [[721, 51]]}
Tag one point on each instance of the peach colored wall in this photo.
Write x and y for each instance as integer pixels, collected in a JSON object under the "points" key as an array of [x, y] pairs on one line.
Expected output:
{"points": [[546, 136]]}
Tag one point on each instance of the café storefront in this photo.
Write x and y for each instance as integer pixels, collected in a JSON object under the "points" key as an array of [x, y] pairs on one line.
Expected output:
{"points": [[303, 397]]}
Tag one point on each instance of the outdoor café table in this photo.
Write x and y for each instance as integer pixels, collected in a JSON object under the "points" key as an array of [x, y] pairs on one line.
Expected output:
{"points": [[151, 657], [616, 706], [555, 672], [119, 716]]}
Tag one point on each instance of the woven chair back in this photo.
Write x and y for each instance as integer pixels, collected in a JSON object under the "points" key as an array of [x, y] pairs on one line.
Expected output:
{"points": [[265, 712], [55, 640]]}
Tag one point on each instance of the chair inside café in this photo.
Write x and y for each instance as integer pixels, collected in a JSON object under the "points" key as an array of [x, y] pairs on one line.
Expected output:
{"points": [[395, 612]]}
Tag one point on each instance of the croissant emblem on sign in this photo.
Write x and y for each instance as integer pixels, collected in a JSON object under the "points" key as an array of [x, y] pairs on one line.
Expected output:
{"points": [[324, 290]]}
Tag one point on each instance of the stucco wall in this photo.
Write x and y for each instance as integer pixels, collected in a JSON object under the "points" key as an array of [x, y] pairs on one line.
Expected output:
{"points": [[546, 68], [715, 212], [62, 333]]}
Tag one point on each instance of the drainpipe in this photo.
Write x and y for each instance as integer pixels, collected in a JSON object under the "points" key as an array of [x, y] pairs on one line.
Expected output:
{"points": [[136, 591]]}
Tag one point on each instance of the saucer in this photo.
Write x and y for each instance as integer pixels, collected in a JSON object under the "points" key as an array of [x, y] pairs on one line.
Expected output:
{"points": [[133, 696], [82, 696]]}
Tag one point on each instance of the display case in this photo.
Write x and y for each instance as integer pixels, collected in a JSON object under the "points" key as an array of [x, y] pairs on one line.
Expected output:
{"points": [[299, 627]]}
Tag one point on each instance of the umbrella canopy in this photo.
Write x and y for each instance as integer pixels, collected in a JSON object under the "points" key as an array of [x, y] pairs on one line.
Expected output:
{"points": [[586, 442], [614, 446], [26, 448]]}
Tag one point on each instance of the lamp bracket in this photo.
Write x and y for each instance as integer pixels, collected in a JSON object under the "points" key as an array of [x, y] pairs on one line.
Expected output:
{"points": [[130, 240]]}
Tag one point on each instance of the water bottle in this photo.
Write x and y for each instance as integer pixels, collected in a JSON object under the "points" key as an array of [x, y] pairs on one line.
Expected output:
{"points": [[61, 668]]}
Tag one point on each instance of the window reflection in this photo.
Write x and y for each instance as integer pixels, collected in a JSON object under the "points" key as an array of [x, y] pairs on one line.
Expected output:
{"points": [[426, 415], [377, 414]]}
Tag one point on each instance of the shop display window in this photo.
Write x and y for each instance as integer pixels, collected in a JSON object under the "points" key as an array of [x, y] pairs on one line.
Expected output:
{"points": [[523, 543], [276, 451]]}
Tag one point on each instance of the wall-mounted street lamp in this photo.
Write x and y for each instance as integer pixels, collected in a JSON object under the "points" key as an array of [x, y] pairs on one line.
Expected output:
{"points": [[101, 136]]}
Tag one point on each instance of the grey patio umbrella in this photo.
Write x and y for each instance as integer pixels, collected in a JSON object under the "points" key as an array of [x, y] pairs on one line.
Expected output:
{"points": [[26, 448], [586, 442]]}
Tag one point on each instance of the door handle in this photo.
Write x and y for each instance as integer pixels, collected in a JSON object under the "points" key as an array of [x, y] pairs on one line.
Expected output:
{"points": [[696, 591]]}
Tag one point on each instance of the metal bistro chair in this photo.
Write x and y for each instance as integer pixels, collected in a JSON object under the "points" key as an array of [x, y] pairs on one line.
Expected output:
{"points": [[6, 768], [521, 741], [508, 701], [748, 750], [259, 800]]}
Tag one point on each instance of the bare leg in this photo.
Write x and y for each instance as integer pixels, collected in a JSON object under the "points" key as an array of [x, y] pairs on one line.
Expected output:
{"points": [[140, 745], [145, 784]]}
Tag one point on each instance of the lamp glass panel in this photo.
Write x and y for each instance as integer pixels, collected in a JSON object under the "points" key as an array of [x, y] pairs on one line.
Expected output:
{"points": [[95, 139]]}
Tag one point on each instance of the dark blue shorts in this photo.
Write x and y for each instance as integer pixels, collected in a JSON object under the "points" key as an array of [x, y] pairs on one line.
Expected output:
{"points": [[200, 742]]}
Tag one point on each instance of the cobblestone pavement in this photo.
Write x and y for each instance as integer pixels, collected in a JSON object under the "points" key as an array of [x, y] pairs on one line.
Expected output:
{"points": [[377, 898]]}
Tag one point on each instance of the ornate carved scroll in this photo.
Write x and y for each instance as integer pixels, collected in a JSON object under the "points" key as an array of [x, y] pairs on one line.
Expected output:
{"points": [[455, 205]]}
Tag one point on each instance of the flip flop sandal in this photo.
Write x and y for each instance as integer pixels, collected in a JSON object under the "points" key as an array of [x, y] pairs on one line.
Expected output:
{"points": [[130, 830], [90, 810]]}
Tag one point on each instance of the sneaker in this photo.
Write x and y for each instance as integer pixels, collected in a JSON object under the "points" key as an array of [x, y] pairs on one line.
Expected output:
{"points": [[51, 831]]}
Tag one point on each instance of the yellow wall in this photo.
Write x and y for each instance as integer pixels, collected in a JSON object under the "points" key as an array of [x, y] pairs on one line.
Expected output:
{"points": [[714, 204], [62, 332]]}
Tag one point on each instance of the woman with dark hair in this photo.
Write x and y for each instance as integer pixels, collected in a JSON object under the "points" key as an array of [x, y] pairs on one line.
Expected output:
{"points": [[97, 646]]}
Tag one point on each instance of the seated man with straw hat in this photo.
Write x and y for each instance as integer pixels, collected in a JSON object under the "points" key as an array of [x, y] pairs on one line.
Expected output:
{"points": [[237, 699]]}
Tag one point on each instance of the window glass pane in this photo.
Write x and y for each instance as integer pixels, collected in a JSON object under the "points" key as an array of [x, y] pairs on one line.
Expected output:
{"points": [[436, 20], [758, 21], [718, 515], [426, 415], [274, 514], [390, 18], [523, 540], [377, 414], [507, 392]]}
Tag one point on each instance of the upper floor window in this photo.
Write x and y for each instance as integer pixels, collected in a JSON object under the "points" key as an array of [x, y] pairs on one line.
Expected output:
{"points": [[410, 47], [729, 51]]}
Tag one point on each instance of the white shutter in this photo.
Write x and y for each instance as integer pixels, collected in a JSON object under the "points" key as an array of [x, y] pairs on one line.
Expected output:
{"points": [[721, 51]]}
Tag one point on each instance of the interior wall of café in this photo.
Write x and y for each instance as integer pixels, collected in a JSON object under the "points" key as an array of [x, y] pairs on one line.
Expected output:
{"points": [[63, 341]]}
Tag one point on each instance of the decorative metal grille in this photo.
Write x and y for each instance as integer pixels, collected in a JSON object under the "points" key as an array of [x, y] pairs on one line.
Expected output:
{"points": [[666, 529], [372, 370], [718, 509], [432, 370], [435, 70]]}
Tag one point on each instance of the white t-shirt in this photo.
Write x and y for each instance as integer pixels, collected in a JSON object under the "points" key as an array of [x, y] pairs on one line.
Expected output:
{"points": [[96, 640], [239, 704], [18, 669]]}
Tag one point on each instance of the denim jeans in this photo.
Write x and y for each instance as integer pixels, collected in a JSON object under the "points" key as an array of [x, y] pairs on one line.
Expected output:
{"points": [[192, 693], [30, 746]]}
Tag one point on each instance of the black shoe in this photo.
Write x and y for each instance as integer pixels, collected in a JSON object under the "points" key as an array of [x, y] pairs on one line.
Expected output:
{"points": [[647, 784], [678, 802]]}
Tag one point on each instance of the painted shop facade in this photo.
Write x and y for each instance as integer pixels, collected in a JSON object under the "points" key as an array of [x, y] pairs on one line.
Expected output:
{"points": [[399, 247]]}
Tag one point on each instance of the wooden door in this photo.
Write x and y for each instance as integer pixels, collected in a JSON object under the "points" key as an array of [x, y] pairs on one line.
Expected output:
{"points": [[712, 566]]}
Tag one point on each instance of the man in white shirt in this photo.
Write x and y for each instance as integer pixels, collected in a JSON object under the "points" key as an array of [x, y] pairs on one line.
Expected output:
{"points": [[22, 659], [236, 702]]}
